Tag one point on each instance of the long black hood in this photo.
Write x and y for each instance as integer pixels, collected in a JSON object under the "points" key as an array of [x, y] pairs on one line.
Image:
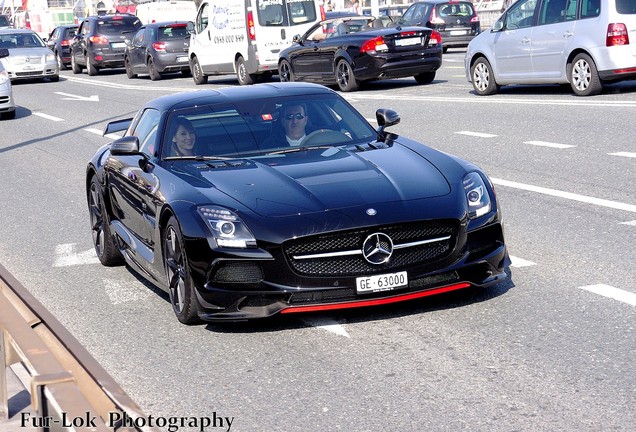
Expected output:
{"points": [[320, 179]]}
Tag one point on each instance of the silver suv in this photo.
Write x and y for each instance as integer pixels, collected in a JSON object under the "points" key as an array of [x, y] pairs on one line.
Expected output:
{"points": [[585, 43]]}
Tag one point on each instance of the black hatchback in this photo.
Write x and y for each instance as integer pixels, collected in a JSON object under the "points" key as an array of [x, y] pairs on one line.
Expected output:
{"points": [[101, 42], [59, 41], [158, 48], [456, 21]]}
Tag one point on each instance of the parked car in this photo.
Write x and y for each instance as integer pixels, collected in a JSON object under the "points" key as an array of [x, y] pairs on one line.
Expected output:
{"points": [[101, 42], [584, 44], [457, 21], [59, 41], [234, 229], [28, 55], [158, 48], [4, 21], [7, 104], [357, 51]]}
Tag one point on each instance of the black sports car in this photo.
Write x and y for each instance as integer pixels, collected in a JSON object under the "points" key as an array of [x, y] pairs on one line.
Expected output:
{"points": [[242, 225], [346, 51]]}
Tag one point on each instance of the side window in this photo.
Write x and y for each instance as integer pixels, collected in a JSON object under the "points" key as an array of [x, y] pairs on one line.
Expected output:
{"points": [[202, 18], [520, 14], [570, 10], [409, 14], [590, 8], [270, 14], [146, 131], [301, 11], [139, 36], [551, 12]]}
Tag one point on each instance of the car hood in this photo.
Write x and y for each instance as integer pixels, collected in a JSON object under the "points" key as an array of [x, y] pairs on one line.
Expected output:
{"points": [[322, 179], [29, 52]]}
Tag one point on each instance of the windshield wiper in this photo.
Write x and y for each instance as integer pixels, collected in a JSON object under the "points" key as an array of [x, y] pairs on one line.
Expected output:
{"points": [[300, 148], [199, 158]]}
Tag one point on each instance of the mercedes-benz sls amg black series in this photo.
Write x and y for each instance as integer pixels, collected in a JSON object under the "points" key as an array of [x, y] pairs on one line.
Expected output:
{"points": [[347, 51], [246, 226]]}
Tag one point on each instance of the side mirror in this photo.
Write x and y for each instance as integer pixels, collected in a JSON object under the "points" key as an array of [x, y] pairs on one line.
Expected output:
{"points": [[385, 118], [4, 52], [190, 27], [498, 25], [297, 39], [128, 145]]}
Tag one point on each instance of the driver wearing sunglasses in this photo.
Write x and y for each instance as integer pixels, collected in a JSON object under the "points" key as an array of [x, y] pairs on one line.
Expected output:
{"points": [[294, 123]]}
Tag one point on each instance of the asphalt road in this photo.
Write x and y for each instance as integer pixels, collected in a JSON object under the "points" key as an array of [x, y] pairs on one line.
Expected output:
{"points": [[553, 350]]}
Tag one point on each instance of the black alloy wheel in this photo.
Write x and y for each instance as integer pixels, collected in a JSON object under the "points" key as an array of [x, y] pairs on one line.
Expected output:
{"points": [[183, 298], [285, 71], [105, 245], [129, 70], [345, 78]]}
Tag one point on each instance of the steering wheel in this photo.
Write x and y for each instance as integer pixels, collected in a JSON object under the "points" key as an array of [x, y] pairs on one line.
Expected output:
{"points": [[324, 136]]}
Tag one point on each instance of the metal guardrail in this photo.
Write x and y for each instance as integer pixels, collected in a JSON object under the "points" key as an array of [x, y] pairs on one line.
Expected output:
{"points": [[67, 385]]}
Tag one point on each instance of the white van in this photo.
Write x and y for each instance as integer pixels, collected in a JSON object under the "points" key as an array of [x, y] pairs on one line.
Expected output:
{"points": [[246, 36], [161, 11]]}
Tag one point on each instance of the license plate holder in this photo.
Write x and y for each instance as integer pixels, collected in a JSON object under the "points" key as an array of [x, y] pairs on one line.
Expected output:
{"points": [[382, 282], [408, 41]]}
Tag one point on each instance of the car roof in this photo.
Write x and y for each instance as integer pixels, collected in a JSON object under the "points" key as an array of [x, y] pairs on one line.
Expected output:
{"points": [[165, 23], [16, 31], [442, 1], [111, 16], [236, 94]]}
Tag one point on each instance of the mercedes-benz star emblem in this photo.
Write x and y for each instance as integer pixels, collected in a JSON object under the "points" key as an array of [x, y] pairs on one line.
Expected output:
{"points": [[372, 212], [377, 248]]}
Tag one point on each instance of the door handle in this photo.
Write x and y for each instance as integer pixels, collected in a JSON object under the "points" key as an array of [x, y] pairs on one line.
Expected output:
{"points": [[525, 41], [568, 34]]}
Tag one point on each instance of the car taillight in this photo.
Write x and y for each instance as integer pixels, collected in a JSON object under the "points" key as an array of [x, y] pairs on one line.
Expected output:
{"points": [[99, 40], [474, 19], [434, 19], [617, 35], [159, 47], [435, 39], [322, 13], [65, 42], [251, 31], [374, 45]]}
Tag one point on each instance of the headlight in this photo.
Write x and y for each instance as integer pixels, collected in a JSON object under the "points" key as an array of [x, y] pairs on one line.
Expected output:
{"points": [[228, 229], [477, 195], [4, 77], [50, 58]]}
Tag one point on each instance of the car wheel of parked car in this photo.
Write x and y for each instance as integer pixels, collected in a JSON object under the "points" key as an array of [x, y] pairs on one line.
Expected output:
{"points": [[344, 77], [152, 70], [129, 70], [105, 246], [483, 78], [285, 72], [183, 298], [91, 68], [584, 77], [76, 68], [425, 78], [197, 73], [60, 62], [244, 78]]}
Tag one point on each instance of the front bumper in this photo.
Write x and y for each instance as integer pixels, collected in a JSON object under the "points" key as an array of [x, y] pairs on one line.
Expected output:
{"points": [[33, 71]]}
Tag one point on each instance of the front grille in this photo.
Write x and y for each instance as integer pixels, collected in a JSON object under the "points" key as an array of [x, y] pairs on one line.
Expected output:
{"points": [[349, 265]]}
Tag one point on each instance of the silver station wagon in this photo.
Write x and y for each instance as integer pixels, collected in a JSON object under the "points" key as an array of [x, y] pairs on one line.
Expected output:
{"points": [[585, 43]]}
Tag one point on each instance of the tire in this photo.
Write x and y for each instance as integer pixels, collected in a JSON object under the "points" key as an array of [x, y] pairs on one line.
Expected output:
{"points": [[244, 78], [425, 78], [129, 70], [483, 78], [105, 245], [183, 298], [91, 69], [285, 73], [345, 78], [152, 70], [197, 73], [583, 75], [76, 68], [60, 62], [8, 115]]}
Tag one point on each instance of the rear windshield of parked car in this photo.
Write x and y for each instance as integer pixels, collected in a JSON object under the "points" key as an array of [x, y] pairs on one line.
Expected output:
{"points": [[117, 26], [172, 32]]}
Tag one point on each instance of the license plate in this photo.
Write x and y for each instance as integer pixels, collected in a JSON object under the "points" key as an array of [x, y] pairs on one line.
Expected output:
{"points": [[457, 32], [408, 41], [182, 59], [118, 45], [385, 282]]}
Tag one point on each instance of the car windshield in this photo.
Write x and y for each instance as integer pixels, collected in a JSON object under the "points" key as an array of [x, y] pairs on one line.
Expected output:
{"points": [[20, 40], [265, 127]]}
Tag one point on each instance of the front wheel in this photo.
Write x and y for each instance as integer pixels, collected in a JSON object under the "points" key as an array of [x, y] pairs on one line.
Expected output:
{"points": [[183, 297], [285, 71], [345, 78], [197, 73], [244, 78], [483, 78], [105, 246], [584, 78]]}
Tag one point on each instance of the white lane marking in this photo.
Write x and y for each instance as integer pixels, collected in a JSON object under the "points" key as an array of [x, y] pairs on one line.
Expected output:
{"points": [[549, 144], [92, 98], [567, 195], [67, 255], [632, 223], [328, 325], [520, 262], [123, 292], [48, 117], [476, 134], [98, 132], [623, 154], [612, 292], [98, 83]]}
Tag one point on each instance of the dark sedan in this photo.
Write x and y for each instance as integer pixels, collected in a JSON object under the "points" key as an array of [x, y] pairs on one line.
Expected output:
{"points": [[346, 51], [234, 229], [158, 48], [59, 41]]}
